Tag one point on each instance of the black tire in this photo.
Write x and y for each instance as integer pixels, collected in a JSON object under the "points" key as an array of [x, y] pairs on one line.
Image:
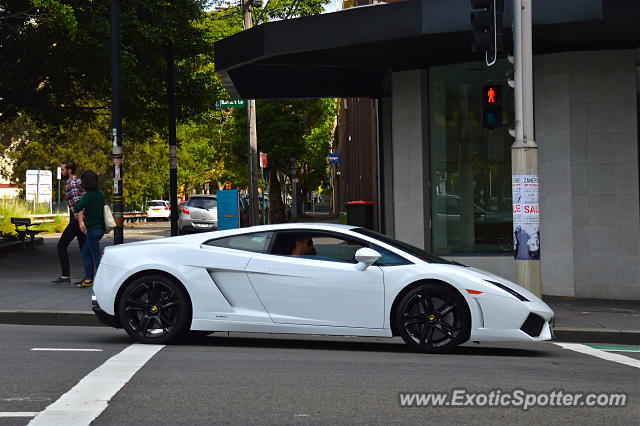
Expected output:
{"points": [[154, 309], [433, 318]]}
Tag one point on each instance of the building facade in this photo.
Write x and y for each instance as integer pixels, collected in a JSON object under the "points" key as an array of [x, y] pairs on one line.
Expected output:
{"points": [[458, 203], [444, 181]]}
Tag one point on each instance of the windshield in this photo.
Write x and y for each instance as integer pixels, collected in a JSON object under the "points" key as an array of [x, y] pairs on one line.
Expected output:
{"points": [[157, 204], [407, 248], [202, 203]]}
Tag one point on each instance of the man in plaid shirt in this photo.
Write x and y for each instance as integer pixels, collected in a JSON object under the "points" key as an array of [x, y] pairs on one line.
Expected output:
{"points": [[73, 193]]}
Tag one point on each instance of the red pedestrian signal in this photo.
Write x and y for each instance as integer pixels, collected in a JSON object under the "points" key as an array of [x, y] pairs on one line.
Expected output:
{"points": [[491, 106], [491, 95]]}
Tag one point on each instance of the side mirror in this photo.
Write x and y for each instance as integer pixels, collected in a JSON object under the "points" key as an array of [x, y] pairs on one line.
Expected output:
{"points": [[366, 257]]}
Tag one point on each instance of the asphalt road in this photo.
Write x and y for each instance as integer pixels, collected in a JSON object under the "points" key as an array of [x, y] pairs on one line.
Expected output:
{"points": [[274, 379]]}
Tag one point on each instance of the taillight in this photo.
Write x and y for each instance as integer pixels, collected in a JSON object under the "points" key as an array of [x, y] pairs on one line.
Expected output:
{"points": [[184, 210], [166, 207]]}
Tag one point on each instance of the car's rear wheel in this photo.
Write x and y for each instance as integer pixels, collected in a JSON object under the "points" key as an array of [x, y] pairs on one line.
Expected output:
{"points": [[433, 318], [154, 309]]}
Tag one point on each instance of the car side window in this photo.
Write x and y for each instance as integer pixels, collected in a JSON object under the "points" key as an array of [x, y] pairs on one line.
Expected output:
{"points": [[316, 246], [258, 242], [388, 258]]}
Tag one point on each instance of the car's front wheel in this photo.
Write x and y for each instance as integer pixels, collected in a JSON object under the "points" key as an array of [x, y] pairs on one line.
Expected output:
{"points": [[433, 318], [154, 309]]}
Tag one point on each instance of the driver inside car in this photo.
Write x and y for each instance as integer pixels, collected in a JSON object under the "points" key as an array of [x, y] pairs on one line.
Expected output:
{"points": [[303, 246]]}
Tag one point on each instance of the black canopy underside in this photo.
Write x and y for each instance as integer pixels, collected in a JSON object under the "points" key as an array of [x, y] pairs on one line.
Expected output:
{"points": [[351, 53]]}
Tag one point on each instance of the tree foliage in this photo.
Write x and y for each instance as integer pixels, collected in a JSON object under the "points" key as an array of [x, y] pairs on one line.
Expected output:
{"points": [[295, 134], [55, 61], [55, 95]]}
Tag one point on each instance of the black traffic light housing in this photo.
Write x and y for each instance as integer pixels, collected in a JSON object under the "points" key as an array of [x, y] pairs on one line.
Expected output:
{"points": [[486, 25], [491, 106]]}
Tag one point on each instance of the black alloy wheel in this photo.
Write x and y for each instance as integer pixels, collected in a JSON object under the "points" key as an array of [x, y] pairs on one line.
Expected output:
{"points": [[433, 318], [154, 309]]}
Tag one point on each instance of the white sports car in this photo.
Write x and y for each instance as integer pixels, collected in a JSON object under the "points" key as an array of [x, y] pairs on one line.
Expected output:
{"points": [[309, 279]]}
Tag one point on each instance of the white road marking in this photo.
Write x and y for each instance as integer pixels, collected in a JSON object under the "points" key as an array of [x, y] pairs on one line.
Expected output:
{"points": [[66, 349], [91, 396], [26, 398], [18, 414], [620, 359]]}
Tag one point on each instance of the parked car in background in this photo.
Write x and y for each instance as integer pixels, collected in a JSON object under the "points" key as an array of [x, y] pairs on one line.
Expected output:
{"points": [[158, 210], [200, 213]]}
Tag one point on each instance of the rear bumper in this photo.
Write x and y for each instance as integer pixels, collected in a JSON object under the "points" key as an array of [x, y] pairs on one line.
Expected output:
{"points": [[197, 225], [104, 317]]}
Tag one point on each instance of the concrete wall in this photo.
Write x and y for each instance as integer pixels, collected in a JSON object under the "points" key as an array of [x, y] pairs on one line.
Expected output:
{"points": [[586, 129], [408, 177]]}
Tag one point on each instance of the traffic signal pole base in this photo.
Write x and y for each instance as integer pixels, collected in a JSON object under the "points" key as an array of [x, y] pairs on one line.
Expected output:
{"points": [[528, 275]]}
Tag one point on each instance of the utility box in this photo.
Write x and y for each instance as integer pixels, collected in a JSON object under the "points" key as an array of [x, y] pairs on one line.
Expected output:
{"points": [[360, 213], [228, 209]]}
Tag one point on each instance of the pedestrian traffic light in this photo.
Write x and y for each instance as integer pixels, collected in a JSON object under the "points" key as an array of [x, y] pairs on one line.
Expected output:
{"points": [[486, 24], [491, 106]]}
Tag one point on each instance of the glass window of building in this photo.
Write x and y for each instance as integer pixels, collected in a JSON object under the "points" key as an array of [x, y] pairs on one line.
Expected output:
{"points": [[470, 164]]}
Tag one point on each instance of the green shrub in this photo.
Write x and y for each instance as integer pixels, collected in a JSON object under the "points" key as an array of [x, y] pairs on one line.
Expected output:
{"points": [[23, 208]]}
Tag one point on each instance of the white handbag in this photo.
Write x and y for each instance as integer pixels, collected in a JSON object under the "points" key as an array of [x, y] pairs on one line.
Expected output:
{"points": [[109, 221]]}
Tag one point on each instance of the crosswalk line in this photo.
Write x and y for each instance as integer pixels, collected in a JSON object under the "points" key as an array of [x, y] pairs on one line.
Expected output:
{"points": [[90, 397], [584, 349]]}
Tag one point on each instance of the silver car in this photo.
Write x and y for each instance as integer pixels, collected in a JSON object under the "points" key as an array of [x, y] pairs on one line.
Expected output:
{"points": [[200, 213]]}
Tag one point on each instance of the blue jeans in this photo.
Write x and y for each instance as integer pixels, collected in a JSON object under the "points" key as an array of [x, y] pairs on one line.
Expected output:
{"points": [[91, 252]]}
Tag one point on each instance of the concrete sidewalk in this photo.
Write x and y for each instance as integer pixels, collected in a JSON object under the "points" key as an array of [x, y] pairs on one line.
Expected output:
{"points": [[27, 296]]}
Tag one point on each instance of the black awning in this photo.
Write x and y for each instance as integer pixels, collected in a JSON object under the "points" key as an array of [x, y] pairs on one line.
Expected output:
{"points": [[350, 53]]}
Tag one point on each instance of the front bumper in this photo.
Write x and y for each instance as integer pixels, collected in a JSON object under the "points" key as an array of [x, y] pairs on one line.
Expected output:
{"points": [[502, 319], [104, 317]]}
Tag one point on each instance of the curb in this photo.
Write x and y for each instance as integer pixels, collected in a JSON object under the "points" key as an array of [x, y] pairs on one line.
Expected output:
{"points": [[65, 318], [597, 335], [89, 319]]}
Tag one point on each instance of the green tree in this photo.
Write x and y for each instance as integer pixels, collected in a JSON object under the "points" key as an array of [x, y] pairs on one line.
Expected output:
{"points": [[56, 56], [320, 119], [45, 147], [295, 134]]}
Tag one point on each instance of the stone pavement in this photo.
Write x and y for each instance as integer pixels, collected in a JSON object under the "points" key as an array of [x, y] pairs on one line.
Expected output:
{"points": [[27, 296]]}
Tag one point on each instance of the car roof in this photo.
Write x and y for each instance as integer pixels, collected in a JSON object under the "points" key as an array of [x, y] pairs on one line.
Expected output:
{"points": [[201, 237], [202, 196]]}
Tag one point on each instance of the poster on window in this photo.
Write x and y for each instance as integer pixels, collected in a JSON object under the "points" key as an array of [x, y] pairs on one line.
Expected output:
{"points": [[526, 217]]}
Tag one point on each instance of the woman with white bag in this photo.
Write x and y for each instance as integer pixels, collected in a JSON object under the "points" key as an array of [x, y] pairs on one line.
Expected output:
{"points": [[92, 223]]}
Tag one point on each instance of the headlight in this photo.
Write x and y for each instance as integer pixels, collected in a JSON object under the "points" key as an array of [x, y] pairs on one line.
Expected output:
{"points": [[508, 290]]}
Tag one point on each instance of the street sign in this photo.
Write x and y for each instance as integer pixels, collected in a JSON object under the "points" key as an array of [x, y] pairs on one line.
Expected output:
{"points": [[334, 158], [221, 103], [263, 160], [38, 186]]}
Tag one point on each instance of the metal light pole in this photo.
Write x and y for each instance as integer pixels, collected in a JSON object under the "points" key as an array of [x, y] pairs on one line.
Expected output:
{"points": [[253, 140], [116, 120], [173, 167], [524, 156]]}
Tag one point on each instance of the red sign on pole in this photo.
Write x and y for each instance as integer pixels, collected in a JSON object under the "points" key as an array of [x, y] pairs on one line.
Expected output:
{"points": [[263, 160]]}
